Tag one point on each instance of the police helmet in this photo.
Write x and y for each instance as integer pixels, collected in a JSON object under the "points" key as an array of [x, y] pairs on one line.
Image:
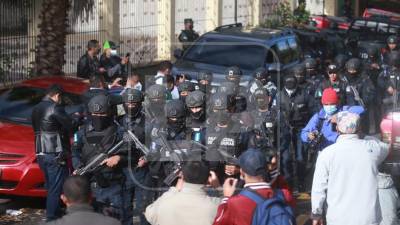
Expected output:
{"points": [[353, 65], [156, 92], [186, 86], [340, 60], [195, 99], [394, 58], [392, 39], [332, 68], [233, 73], [205, 75], [132, 95], [310, 63], [99, 104], [175, 109], [219, 101], [260, 74]]}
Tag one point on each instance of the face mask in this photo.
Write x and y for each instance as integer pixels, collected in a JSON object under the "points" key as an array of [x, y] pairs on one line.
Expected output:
{"points": [[262, 103], [176, 125], [290, 84], [197, 115], [222, 117], [100, 123], [132, 111], [203, 88], [300, 79], [113, 52], [330, 109]]}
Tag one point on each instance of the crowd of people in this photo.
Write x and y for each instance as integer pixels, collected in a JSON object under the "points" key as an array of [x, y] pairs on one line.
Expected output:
{"points": [[226, 154]]}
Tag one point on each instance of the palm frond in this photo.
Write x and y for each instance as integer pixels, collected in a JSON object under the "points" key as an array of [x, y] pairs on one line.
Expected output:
{"points": [[81, 9]]}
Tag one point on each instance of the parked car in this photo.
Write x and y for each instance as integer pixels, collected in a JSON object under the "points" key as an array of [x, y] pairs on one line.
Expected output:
{"points": [[19, 172], [234, 45], [328, 22], [370, 32], [371, 12]]}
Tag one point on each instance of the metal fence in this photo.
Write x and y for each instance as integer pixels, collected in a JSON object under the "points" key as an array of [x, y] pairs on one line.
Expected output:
{"points": [[138, 29]]}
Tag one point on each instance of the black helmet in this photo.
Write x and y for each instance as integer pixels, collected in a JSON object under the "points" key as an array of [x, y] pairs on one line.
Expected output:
{"points": [[205, 75], [132, 95], [290, 82], [261, 97], [228, 88], [156, 92], [310, 63], [175, 109], [332, 68], [394, 58], [195, 99], [353, 64], [261, 74], [299, 70], [392, 39], [233, 73], [186, 86], [100, 104], [340, 60], [372, 52], [219, 101]]}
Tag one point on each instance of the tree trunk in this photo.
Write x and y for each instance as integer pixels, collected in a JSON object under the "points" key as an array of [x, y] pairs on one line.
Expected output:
{"points": [[50, 47]]}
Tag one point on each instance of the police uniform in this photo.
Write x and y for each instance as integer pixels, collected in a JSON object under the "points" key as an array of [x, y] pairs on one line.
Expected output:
{"points": [[97, 137], [188, 36]]}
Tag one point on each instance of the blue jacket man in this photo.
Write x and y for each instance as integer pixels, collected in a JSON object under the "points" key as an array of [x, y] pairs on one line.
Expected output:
{"points": [[324, 120]]}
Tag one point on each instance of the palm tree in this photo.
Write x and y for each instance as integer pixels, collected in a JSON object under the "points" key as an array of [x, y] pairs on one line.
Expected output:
{"points": [[55, 19]]}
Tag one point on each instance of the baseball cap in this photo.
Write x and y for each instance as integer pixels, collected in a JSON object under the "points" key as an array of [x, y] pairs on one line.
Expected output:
{"points": [[253, 162]]}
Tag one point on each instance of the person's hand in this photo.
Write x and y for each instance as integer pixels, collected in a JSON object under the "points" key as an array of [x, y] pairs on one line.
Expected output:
{"points": [[124, 60], [179, 184], [375, 65], [334, 119], [229, 187], [142, 162], [213, 180], [102, 70], [390, 90], [116, 83], [112, 161], [318, 222], [311, 136], [231, 170], [74, 173]]}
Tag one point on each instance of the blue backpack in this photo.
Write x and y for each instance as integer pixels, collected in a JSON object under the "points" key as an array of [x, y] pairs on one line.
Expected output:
{"points": [[271, 211]]}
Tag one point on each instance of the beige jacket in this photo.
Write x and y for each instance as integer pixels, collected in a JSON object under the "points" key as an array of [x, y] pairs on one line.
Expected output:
{"points": [[190, 206]]}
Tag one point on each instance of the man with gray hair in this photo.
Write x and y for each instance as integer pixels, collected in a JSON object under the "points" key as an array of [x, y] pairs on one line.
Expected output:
{"points": [[346, 177]]}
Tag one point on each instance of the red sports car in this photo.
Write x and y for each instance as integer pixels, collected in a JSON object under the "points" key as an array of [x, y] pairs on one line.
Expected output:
{"points": [[19, 171]]}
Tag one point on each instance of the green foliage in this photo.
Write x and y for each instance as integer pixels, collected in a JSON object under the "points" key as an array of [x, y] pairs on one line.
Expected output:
{"points": [[284, 17]]}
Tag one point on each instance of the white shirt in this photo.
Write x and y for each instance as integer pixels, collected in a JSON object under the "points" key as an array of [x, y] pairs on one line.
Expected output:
{"points": [[346, 177]]}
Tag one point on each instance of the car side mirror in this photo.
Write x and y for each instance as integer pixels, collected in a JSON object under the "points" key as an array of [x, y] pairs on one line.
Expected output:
{"points": [[178, 53]]}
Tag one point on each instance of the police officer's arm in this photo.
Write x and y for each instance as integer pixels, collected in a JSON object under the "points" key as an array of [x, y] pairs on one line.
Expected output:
{"points": [[310, 127]]}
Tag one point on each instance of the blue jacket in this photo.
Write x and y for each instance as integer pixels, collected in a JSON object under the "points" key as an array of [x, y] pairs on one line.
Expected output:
{"points": [[330, 134]]}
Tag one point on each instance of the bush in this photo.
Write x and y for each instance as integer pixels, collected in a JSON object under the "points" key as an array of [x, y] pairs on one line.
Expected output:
{"points": [[284, 17]]}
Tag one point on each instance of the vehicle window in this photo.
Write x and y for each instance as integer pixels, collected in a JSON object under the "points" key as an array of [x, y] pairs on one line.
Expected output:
{"points": [[358, 24], [17, 103], [371, 25], [284, 52], [382, 28], [394, 29], [295, 50], [227, 53]]}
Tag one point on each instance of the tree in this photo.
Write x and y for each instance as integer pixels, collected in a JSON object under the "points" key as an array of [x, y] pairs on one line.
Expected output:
{"points": [[55, 19]]}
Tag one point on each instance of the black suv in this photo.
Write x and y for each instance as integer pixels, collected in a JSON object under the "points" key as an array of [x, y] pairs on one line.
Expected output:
{"points": [[233, 45], [370, 32]]}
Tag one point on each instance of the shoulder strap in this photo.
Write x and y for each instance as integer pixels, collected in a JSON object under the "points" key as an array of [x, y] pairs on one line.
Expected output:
{"points": [[254, 196]]}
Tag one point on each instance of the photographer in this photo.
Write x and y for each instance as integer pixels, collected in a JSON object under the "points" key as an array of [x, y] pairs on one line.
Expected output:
{"points": [[52, 127]]}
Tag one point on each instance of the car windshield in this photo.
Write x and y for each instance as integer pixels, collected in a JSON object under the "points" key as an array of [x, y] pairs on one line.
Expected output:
{"points": [[247, 56], [17, 103]]}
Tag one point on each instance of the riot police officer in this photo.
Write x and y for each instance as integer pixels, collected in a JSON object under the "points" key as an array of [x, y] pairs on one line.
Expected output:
{"points": [[136, 174], [156, 96], [261, 74], [389, 81], [195, 121], [333, 81], [96, 137], [296, 107], [359, 89], [234, 74], [392, 45], [314, 78], [204, 80], [224, 135], [340, 61], [188, 35]]}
